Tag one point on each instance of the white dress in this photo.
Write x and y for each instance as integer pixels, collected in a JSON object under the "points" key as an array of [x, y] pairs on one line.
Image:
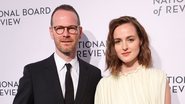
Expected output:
{"points": [[142, 86]]}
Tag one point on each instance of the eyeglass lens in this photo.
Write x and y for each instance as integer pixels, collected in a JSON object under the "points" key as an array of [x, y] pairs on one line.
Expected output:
{"points": [[70, 29]]}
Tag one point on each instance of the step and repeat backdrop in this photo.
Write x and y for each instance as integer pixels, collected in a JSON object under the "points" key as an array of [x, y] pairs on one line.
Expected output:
{"points": [[24, 36]]}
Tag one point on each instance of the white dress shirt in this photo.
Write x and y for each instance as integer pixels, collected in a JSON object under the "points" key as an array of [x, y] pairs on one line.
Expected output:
{"points": [[61, 69]]}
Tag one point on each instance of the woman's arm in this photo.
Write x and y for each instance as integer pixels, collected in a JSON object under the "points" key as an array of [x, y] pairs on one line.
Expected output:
{"points": [[167, 93]]}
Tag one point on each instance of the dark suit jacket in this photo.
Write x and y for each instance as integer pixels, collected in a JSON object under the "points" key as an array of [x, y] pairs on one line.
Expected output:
{"points": [[40, 84]]}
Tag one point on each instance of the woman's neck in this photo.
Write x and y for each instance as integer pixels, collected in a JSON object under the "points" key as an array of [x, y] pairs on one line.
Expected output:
{"points": [[129, 67]]}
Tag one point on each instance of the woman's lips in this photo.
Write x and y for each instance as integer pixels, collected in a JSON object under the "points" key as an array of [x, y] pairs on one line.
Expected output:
{"points": [[126, 53]]}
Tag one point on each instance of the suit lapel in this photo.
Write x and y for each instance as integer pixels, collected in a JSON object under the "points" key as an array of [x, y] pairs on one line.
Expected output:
{"points": [[53, 80], [82, 82], [54, 83]]}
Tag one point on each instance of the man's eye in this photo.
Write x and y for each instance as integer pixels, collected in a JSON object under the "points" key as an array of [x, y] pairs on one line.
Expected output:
{"points": [[72, 27], [59, 28]]}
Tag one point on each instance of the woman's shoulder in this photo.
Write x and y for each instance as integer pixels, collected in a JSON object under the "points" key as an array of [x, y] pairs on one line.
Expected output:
{"points": [[156, 73], [106, 80], [155, 70]]}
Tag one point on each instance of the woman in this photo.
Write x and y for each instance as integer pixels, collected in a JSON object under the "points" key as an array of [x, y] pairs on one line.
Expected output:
{"points": [[128, 58]]}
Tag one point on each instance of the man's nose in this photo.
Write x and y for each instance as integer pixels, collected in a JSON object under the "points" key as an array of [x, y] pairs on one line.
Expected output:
{"points": [[66, 33]]}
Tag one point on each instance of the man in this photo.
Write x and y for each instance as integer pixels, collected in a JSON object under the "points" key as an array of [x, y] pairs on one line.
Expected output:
{"points": [[44, 82]]}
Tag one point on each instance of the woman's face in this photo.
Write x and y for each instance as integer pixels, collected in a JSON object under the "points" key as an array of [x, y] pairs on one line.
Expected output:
{"points": [[127, 43]]}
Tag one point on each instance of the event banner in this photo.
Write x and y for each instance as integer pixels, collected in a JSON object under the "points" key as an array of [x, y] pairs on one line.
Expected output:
{"points": [[25, 37]]}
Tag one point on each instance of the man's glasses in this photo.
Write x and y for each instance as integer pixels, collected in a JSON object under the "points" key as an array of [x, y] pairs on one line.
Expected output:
{"points": [[72, 29]]}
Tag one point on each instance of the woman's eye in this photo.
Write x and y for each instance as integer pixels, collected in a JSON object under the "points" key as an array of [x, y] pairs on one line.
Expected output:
{"points": [[116, 41], [130, 40]]}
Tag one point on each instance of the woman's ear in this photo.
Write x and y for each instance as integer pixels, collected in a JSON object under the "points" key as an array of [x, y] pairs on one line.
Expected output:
{"points": [[141, 42]]}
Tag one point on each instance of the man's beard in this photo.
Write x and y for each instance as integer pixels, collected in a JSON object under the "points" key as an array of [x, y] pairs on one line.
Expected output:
{"points": [[67, 53]]}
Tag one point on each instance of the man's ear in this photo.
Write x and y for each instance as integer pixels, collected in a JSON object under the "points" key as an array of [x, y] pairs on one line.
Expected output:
{"points": [[51, 32], [80, 32]]}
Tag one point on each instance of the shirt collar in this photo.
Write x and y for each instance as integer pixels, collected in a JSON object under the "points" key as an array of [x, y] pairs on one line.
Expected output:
{"points": [[60, 63]]}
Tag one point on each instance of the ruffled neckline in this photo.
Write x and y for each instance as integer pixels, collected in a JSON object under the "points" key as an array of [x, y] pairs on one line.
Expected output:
{"points": [[140, 67]]}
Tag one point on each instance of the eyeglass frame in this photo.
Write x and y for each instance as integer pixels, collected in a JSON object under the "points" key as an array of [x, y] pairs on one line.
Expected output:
{"points": [[74, 27]]}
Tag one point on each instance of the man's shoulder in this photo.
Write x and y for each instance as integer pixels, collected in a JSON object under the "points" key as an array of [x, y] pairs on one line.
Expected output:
{"points": [[86, 64], [42, 62], [89, 67]]}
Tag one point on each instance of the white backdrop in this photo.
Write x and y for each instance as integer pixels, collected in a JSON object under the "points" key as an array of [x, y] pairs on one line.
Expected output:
{"points": [[24, 36]]}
